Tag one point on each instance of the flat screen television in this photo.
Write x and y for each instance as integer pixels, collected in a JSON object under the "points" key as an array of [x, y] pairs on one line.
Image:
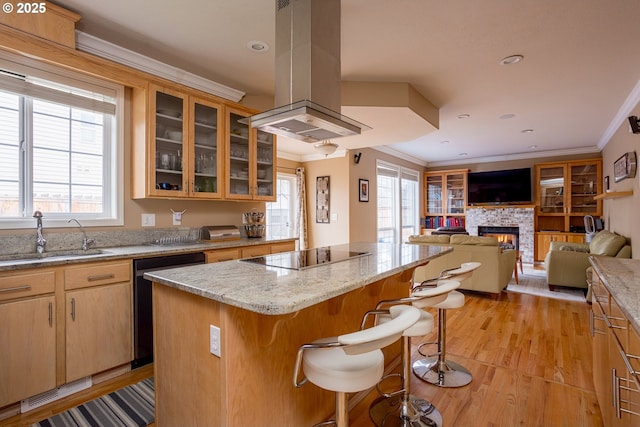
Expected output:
{"points": [[500, 187]]}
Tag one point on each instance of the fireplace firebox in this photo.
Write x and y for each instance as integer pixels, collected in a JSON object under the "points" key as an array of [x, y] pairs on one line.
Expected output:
{"points": [[507, 236]]}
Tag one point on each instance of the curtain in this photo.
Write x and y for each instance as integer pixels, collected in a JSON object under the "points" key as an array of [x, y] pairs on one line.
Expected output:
{"points": [[301, 211]]}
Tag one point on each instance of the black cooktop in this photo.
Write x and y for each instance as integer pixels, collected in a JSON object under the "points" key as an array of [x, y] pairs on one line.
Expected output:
{"points": [[299, 260]]}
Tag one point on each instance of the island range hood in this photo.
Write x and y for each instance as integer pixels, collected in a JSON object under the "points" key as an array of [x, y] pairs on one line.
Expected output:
{"points": [[307, 74]]}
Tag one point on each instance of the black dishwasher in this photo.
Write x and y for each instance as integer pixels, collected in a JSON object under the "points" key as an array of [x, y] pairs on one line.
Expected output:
{"points": [[143, 304]]}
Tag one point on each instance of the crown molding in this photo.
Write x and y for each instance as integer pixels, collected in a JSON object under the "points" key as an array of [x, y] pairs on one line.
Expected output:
{"points": [[95, 46], [621, 116], [518, 156]]}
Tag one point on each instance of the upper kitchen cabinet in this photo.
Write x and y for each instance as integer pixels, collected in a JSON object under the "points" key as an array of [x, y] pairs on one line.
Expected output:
{"points": [[250, 160], [177, 137]]}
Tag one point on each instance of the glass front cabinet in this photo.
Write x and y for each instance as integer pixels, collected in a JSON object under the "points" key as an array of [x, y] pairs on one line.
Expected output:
{"points": [[445, 198], [184, 145], [250, 160], [192, 147], [566, 194]]}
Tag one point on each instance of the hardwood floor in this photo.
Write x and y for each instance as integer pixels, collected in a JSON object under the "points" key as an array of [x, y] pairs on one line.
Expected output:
{"points": [[530, 358]]}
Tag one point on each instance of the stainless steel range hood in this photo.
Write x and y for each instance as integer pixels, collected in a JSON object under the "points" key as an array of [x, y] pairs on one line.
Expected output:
{"points": [[307, 75]]}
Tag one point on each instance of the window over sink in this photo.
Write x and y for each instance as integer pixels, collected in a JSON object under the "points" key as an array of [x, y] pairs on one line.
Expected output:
{"points": [[61, 145]]}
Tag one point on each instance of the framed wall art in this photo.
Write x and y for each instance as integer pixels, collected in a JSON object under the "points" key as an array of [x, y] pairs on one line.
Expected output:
{"points": [[625, 166], [322, 199], [363, 192]]}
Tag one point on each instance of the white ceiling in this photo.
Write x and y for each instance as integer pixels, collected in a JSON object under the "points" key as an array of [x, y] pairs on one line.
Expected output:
{"points": [[576, 84]]}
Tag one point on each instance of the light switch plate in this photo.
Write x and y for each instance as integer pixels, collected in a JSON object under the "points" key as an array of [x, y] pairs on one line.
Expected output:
{"points": [[148, 220]]}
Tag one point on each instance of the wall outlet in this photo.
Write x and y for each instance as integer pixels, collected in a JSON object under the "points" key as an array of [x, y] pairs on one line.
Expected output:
{"points": [[214, 340], [148, 220], [177, 218]]}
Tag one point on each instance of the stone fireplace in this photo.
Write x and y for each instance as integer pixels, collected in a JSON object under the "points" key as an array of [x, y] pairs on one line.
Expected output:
{"points": [[478, 218]]}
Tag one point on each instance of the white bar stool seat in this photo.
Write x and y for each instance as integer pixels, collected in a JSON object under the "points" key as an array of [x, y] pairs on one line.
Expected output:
{"points": [[436, 369], [352, 362], [401, 408]]}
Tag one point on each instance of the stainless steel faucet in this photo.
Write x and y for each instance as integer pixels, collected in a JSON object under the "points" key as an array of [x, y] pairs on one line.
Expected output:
{"points": [[40, 240], [85, 242]]}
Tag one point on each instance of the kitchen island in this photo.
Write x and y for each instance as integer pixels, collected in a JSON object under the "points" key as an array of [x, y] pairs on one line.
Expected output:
{"points": [[264, 314]]}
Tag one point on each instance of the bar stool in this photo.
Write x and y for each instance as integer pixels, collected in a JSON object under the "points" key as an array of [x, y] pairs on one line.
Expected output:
{"points": [[401, 408], [352, 362], [436, 369]]}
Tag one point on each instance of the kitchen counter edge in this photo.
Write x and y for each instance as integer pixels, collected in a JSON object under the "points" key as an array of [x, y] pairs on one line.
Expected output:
{"points": [[135, 251]]}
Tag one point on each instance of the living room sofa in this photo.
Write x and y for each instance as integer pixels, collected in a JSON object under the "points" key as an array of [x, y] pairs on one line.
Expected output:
{"points": [[566, 263], [492, 276]]}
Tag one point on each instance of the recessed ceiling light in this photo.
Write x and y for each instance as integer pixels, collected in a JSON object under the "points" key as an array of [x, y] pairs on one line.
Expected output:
{"points": [[512, 59], [527, 131], [464, 116], [507, 116], [533, 147], [444, 142], [258, 46], [463, 154]]}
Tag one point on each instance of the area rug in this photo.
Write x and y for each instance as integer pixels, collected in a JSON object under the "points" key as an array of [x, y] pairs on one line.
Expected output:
{"points": [[534, 282], [131, 406]]}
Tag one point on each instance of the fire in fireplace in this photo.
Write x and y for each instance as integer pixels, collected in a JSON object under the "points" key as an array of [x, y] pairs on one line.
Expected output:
{"points": [[507, 236]]}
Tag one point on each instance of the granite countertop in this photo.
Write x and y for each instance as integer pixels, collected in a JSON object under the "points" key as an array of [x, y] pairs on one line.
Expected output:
{"points": [[622, 278], [273, 290], [129, 251]]}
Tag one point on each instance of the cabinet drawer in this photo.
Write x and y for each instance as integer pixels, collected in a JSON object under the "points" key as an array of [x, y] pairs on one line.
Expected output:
{"points": [[222, 255], [283, 247], [25, 285], [258, 250], [97, 274]]}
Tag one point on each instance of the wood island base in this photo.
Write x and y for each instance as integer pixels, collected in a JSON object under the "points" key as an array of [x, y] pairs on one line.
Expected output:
{"points": [[251, 383]]}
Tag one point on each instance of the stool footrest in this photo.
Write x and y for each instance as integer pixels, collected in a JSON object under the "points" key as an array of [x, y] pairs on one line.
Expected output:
{"points": [[396, 412]]}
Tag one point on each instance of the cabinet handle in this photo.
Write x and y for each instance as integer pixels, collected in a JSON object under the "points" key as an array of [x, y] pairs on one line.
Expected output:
{"points": [[101, 277], [50, 314], [73, 309], [614, 391], [592, 324], [17, 289]]}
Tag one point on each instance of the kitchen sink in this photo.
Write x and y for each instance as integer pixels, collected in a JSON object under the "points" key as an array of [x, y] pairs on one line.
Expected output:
{"points": [[70, 253]]}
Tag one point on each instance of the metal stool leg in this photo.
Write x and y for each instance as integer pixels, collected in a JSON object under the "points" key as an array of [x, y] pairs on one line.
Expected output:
{"points": [[403, 408], [439, 371]]}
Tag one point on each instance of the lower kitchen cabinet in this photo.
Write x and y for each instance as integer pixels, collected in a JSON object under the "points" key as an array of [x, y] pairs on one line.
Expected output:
{"points": [[28, 348], [98, 332], [616, 357], [27, 334], [219, 255], [99, 318]]}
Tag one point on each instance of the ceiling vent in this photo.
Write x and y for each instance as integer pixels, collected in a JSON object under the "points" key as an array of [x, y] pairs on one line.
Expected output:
{"points": [[307, 74]]}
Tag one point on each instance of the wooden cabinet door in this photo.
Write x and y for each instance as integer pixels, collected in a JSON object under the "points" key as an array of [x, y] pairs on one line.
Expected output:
{"points": [[543, 242], [28, 348], [204, 160], [98, 329], [168, 125]]}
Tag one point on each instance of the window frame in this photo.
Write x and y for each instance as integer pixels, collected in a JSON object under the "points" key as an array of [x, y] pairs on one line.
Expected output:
{"points": [[397, 213], [113, 155], [292, 205]]}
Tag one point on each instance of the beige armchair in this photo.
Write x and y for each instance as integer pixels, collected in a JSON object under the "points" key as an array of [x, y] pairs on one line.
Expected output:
{"points": [[566, 263]]}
